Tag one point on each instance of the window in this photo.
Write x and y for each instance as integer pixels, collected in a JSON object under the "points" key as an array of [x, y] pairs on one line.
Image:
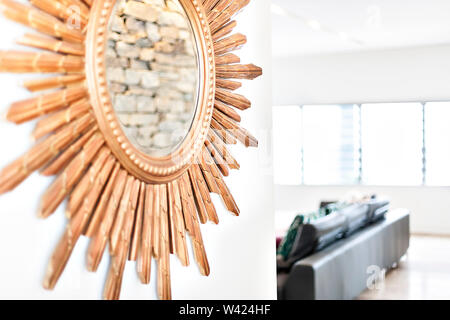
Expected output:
{"points": [[392, 139], [405, 144], [331, 143], [437, 143]]}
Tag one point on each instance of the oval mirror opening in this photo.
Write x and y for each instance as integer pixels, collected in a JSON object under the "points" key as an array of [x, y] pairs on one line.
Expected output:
{"points": [[152, 71]]}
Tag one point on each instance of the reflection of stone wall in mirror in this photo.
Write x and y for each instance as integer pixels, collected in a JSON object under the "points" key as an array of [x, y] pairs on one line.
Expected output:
{"points": [[152, 73]]}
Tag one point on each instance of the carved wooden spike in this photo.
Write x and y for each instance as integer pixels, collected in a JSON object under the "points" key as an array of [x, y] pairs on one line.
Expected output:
{"points": [[51, 44], [231, 43], [74, 229], [144, 262], [224, 191], [239, 71], [12, 175], [66, 156], [209, 4], [121, 251], [228, 58], [63, 250], [55, 121], [199, 248], [137, 226], [53, 82], [235, 129], [92, 197], [121, 214], [218, 9], [71, 174], [222, 148], [100, 210], [206, 170], [98, 243], [218, 159], [156, 221], [204, 193], [26, 62], [236, 100], [227, 110], [39, 20], [83, 6], [224, 30], [164, 286], [226, 15], [29, 109], [177, 223], [86, 183], [187, 201], [228, 84], [59, 10], [222, 132], [191, 222], [201, 209]]}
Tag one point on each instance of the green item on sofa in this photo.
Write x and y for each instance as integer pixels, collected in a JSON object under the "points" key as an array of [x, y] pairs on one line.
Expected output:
{"points": [[288, 241]]}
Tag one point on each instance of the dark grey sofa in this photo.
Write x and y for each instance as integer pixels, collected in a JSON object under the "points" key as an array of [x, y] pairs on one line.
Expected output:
{"points": [[340, 271]]}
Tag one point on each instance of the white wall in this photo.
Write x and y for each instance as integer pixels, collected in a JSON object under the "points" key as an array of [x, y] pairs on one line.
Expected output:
{"points": [[409, 74], [240, 250]]}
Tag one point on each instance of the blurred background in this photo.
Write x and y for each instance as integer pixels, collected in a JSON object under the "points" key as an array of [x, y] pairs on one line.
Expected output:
{"points": [[361, 106]]}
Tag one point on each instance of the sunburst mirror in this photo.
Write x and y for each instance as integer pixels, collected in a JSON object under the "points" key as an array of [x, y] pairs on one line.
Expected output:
{"points": [[134, 120]]}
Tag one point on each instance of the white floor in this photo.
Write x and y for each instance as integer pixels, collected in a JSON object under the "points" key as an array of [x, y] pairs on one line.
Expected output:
{"points": [[424, 274]]}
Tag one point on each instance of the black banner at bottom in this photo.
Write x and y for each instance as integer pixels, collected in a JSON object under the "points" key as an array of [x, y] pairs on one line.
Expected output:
{"points": [[216, 309]]}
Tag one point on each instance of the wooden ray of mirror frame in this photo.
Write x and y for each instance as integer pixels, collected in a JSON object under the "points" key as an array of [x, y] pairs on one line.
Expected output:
{"points": [[141, 207]]}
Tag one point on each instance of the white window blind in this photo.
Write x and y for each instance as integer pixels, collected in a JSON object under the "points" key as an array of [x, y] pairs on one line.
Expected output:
{"points": [[405, 144]]}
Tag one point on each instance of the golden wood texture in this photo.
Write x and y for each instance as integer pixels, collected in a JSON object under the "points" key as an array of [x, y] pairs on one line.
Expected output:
{"points": [[26, 110], [86, 183], [55, 121], [63, 184], [144, 258], [164, 286], [99, 213], [101, 236], [53, 82], [178, 229], [143, 207], [40, 21], [51, 44], [40, 154], [137, 226], [66, 156]]}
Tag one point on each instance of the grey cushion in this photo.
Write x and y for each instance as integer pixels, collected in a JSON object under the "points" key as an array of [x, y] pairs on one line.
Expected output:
{"points": [[317, 235]]}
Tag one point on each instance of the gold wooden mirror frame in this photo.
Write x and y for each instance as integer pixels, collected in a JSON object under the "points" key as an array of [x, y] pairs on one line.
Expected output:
{"points": [[150, 169], [141, 207]]}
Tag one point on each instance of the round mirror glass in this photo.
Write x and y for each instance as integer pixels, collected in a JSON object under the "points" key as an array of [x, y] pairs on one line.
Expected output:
{"points": [[153, 73]]}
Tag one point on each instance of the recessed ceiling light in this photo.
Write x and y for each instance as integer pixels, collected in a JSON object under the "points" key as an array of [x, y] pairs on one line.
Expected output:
{"points": [[314, 24], [276, 9]]}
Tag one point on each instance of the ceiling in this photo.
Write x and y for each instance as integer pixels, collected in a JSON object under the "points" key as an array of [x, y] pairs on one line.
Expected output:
{"points": [[302, 27]]}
